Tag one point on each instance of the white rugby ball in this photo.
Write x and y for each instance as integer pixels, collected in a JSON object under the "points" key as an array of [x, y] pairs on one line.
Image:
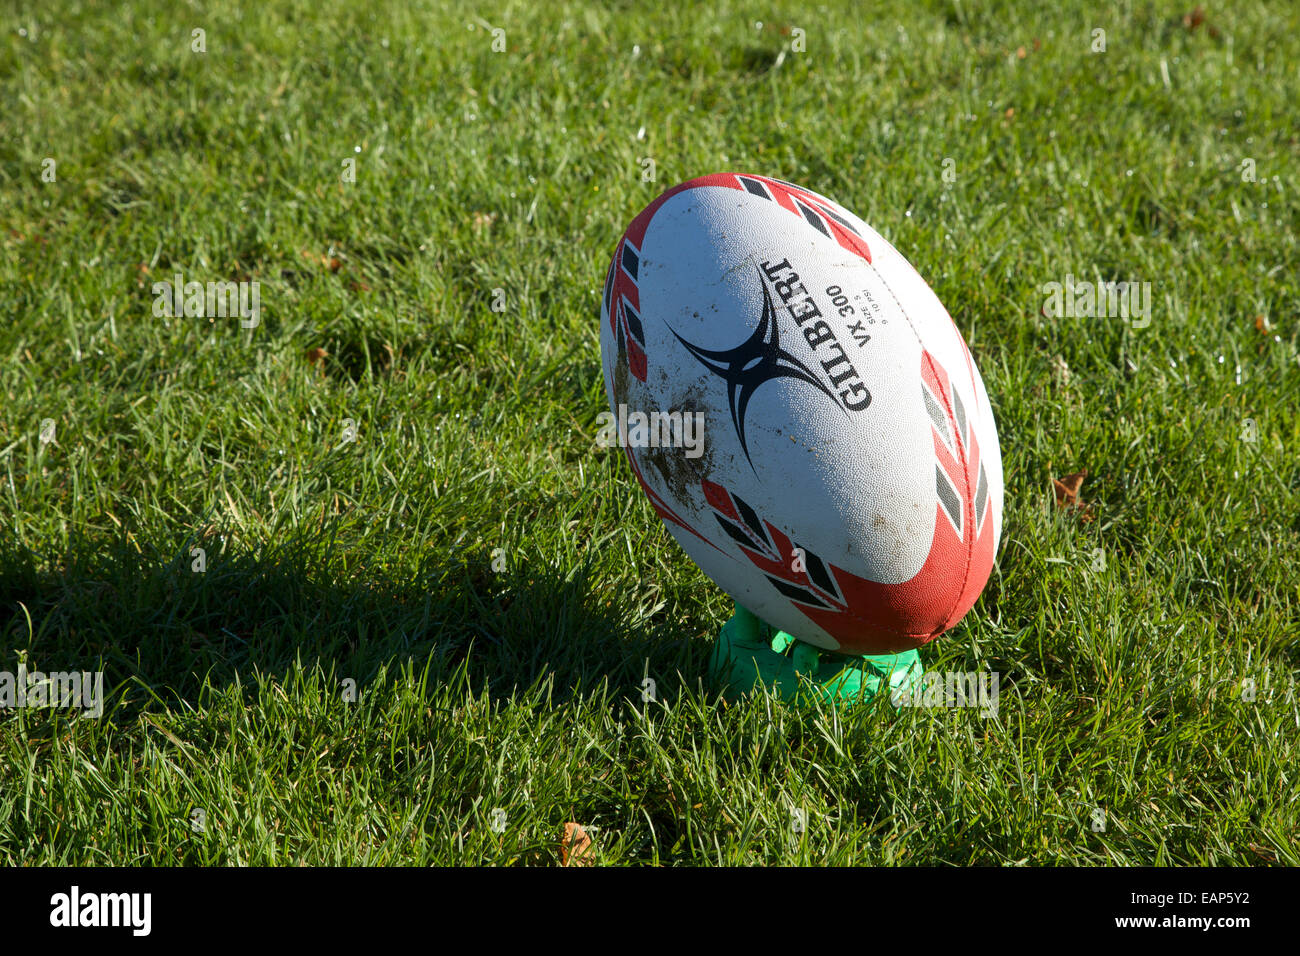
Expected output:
{"points": [[847, 486]]}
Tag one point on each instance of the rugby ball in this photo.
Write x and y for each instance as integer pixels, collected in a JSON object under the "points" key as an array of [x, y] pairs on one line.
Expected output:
{"points": [[802, 413]]}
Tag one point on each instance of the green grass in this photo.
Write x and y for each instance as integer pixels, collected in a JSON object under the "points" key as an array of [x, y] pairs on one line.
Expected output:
{"points": [[1123, 633]]}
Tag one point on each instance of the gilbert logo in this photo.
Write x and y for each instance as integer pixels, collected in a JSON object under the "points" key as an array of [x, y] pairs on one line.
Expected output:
{"points": [[76, 909], [761, 358]]}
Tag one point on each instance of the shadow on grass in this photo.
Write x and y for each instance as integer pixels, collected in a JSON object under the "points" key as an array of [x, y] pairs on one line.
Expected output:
{"points": [[153, 620]]}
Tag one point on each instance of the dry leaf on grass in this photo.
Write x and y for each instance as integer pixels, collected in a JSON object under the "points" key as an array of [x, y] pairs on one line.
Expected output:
{"points": [[332, 263], [1067, 489], [1264, 853], [575, 848], [1197, 17]]}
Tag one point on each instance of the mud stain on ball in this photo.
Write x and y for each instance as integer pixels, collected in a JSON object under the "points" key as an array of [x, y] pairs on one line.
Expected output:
{"points": [[681, 474]]}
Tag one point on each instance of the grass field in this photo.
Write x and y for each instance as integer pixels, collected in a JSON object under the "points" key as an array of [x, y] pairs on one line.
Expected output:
{"points": [[394, 477]]}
